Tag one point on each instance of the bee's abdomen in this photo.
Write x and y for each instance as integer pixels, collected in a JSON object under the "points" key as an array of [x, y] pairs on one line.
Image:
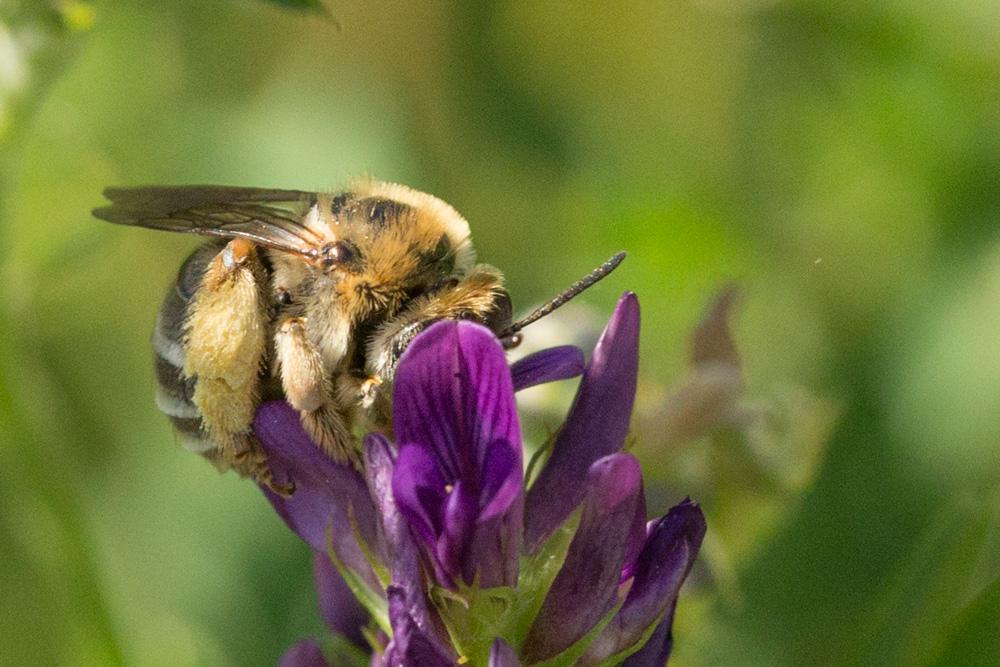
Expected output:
{"points": [[175, 391]]}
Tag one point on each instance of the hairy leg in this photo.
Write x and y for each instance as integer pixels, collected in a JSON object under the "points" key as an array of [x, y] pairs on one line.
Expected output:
{"points": [[226, 333], [308, 389]]}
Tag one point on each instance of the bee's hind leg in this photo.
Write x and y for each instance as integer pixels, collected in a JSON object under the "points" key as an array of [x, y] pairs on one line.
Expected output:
{"points": [[308, 389], [226, 332]]}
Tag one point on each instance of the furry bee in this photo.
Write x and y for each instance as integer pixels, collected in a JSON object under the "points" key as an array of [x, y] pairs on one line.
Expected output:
{"points": [[309, 297]]}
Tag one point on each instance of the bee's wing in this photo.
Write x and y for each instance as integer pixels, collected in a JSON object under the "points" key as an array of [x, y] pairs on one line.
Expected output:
{"points": [[212, 210]]}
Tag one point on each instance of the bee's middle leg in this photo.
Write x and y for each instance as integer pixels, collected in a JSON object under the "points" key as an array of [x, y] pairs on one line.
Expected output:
{"points": [[308, 389]]}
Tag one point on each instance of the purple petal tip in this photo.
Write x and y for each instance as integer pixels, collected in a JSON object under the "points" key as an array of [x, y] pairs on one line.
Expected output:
{"points": [[661, 568], [303, 653], [596, 425], [585, 588], [549, 365]]}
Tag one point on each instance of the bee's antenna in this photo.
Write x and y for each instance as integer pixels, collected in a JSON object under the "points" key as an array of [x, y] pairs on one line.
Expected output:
{"points": [[510, 334]]}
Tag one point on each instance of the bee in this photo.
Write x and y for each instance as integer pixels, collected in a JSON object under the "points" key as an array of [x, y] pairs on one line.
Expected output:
{"points": [[308, 297]]}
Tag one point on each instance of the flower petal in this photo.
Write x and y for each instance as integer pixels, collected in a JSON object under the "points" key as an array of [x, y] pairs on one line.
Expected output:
{"points": [[340, 610], [663, 565], [495, 548], [585, 589], [636, 540], [303, 653], [410, 645], [596, 426], [326, 493], [657, 649], [459, 477], [502, 655], [502, 481], [403, 557], [549, 365], [454, 396], [379, 461], [419, 491], [459, 518], [494, 551]]}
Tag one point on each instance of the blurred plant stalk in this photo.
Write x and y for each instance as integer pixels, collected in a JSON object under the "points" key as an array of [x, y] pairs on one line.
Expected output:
{"points": [[38, 39], [753, 457]]}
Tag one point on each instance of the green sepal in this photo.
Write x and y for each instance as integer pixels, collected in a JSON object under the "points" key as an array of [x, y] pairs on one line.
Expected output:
{"points": [[380, 570], [537, 572], [538, 458], [373, 601], [371, 636], [619, 658], [474, 617], [572, 653]]}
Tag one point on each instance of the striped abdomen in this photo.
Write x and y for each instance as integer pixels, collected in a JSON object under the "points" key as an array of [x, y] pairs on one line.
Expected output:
{"points": [[174, 391]]}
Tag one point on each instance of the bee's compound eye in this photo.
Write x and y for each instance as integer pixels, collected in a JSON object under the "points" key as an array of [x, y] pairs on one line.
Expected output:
{"points": [[338, 253]]}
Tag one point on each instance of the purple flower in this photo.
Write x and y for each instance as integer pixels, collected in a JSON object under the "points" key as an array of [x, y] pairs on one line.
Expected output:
{"points": [[458, 478], [450, 553]]}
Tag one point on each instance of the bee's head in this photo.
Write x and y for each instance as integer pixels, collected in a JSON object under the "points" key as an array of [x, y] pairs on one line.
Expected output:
{"points": [[387, 243]]}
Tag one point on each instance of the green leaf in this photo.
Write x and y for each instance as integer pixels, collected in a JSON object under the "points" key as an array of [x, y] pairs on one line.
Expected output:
{"points": [[974, 635], [932, 585]]}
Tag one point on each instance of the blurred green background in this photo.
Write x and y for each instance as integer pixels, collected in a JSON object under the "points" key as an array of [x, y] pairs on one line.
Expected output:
{"points": [[840, 161]]}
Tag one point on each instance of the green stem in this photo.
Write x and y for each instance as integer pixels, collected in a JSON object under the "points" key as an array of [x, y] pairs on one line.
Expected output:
{"points": [[36, 469]]}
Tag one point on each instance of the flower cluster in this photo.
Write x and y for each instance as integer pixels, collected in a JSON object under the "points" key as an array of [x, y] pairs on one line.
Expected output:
{"points": [[454, 554]]}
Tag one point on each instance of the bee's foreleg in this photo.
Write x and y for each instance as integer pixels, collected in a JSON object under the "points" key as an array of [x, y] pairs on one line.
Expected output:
{"points": [[479, 297], [307, 388], [226, 333]]}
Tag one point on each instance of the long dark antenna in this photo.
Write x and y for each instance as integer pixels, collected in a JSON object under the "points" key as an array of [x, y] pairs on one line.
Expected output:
{"points": [[510, 333]]}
